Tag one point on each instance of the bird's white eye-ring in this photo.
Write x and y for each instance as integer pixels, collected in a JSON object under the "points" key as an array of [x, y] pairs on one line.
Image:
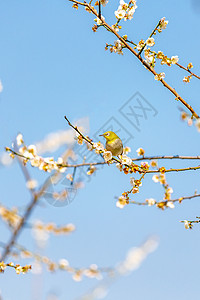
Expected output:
{"points": [[107, 133]]}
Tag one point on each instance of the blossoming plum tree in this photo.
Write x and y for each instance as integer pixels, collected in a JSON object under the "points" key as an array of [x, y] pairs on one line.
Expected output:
{"points": [[137, 167]]}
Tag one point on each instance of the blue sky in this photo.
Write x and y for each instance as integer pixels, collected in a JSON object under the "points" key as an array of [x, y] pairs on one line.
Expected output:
{"points": [[52, 65]]}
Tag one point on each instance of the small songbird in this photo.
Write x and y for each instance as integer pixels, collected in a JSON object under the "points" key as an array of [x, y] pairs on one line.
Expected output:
{"points": [[113, 143]]}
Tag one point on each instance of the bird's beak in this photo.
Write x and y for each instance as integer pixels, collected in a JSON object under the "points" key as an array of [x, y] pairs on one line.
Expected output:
{"points": [[101, 135]]}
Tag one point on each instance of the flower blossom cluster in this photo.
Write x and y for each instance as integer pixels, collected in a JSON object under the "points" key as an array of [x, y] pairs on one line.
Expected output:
{"points": [[151, 56], [187, 118], [124, 198], [117, 47], [161, 178], [99, 149], [41, 231], [162, 204], [140, 152], [163, 24], [126, 10], [122, 201], [18, 269], [99, 21], [29, 153], [159, 76], [189, 224], [91, 170], [63, 264], [187, 79], [124, 164], [10, 216], [128, 166], [52, 228], [167, 60], [104, 2], [135, 183], [77, 274]]}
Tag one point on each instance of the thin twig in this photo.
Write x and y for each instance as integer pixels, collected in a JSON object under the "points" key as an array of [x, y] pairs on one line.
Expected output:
{"points": [[165, 157], [99, 9], [23, 220], [188, 70], [172, 170], [149, 37], [165, 201], [73, 176], [76, 129]]}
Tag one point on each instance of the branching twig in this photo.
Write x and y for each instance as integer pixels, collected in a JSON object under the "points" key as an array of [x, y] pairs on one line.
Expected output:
{"points": [[149, 37], [99, 9], [173, 170], [165, 201], [118, 161], [165, 84], [188, 70], [24, 219]]}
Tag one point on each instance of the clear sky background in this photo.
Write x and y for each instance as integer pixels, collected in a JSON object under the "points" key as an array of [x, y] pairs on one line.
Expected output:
{"points": [[52, 64]]}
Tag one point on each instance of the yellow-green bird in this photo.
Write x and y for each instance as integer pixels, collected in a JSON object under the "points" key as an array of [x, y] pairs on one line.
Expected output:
{"points": [[113, 143]]}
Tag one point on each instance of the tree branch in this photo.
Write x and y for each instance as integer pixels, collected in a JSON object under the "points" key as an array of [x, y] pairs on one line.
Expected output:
{"points": [[165, 84]]}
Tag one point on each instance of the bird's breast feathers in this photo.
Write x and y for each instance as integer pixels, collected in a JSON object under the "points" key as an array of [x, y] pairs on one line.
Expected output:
{"points": [[116, 147]]}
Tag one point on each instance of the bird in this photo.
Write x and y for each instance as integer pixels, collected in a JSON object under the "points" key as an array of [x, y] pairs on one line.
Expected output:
{"points": [[113, 143]]}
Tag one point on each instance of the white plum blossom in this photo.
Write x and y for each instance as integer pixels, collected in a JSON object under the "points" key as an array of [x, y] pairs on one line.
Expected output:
{"points": [[145, 165], [120, 14], [149, 57], [31, 184], [69, 177], [19, 139], [60, 161], [98, 147], [151, 201], [134, 182], [125, 160], [118, 45], [125, 11], [104, 2], [99, 22], [115, 28], [123, 5], [129, 14], [32, 149], [159, 76], [174, 59], [156, 178], [169, 190], [23, 151], [121, 202], [197, 124], [170, 204], [119, 166], [107, 155], [163, 23], [150, 42], [63, 263], [126, 150], [186, 224], [140, 151]]}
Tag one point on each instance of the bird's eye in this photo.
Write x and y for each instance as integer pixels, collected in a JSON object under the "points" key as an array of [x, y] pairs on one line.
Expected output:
{"points": [[107, 133]]}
